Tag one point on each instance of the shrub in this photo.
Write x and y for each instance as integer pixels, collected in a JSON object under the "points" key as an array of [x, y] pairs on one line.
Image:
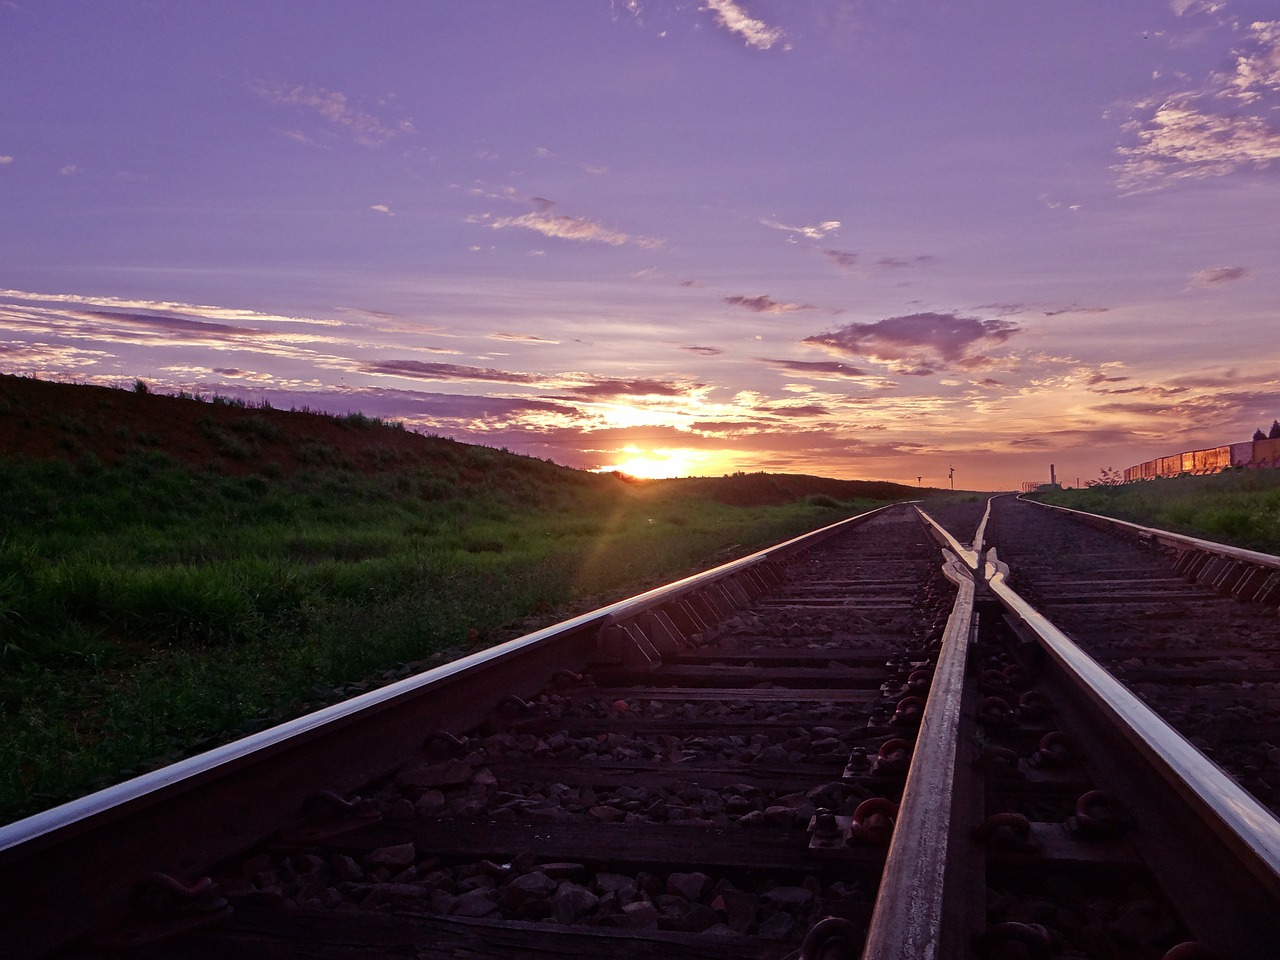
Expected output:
{"points": [[824, 501]]}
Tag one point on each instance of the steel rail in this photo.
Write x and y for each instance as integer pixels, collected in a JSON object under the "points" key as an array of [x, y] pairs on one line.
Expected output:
{"points": [[1244, 825], [980, 535], [1180, 541], [966, 554], [172, 819], [907, 922]]}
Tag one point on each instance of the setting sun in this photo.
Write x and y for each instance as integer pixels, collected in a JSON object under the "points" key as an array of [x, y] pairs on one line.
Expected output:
{"points": [[659, 464]]}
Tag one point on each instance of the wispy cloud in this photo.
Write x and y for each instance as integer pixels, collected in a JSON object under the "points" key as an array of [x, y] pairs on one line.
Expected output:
{"points": [[546, 221], [382, 208], [1256, 72], [580, 385], [173, 327], [841, 258], [1186, 7], [1074, 308], [916, 344], [819, 369], [766, 304], [519, 338], [45, 359], [563, 228], [755, 33], [5, 159], [363, 127], [815, 232], [1218, 128], [596, 387], [794, 410], [444, 372], [848, 260], [704, 351], [632, 7], [901, 263], [164, 306], [1218, 276]]}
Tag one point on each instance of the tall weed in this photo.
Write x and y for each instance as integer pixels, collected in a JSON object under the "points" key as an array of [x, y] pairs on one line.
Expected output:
{"points": [[148, 609], [1239, 507]]}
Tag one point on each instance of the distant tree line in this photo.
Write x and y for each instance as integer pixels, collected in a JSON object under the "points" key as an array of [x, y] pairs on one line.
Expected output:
{"points": [[1273, 434]]}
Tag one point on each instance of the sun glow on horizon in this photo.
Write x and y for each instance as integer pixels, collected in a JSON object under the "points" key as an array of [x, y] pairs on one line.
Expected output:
{"points": [[661, 463]]}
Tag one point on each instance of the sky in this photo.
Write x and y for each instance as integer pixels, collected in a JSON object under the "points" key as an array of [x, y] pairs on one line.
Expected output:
{"points": [[926, 241]]}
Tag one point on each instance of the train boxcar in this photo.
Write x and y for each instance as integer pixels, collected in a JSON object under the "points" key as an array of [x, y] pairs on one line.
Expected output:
{"points": [[1252, 454], [1266, 453]]}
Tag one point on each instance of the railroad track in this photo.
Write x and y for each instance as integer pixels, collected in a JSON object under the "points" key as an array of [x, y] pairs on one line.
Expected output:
{"points": [[859, 743], [1189, 626]]}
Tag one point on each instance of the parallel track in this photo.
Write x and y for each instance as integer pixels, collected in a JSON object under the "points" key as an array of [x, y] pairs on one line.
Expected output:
{"points": [[709, 770]]}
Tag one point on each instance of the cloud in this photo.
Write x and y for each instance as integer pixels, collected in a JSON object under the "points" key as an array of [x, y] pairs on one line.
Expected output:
{"points": [[519, 338], [579, 385], [632, 7], [1180, 142], [1098, 378], [609, 387], [5, 159], [917, 344], [382, 208], [177, 328], [799, 410], [756, 33], [821, 369], [69, 170], [765, 304], [549, 224], [815, 232], [432, 370], [166, 306], [365, 128], [1075, 308], [1183, 7], [47, 359], [899, 263], [1214, 130], [162, 329], [841, 258], [475, 417], [563, 228], [165, 331], [1217, 276], [1257, 68], [704, 351]]}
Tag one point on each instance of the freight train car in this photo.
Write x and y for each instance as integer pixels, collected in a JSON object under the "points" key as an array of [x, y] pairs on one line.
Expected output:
{"points": [[1252, 455]]}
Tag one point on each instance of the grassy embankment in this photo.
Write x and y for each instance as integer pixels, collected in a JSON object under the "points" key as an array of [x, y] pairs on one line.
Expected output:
{"points": [[150, 608], [1239, 507]]}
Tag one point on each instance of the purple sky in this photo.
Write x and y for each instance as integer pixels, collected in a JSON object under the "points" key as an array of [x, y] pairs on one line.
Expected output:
{"points": [[857, 238]]}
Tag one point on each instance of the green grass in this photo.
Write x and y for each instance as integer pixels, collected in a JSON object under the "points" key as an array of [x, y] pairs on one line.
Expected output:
{"points": [[1238, 507], [149, 609]]}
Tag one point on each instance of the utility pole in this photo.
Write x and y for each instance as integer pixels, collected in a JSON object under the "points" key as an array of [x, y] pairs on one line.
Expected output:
{"points": [[951, 475], [919, 481]]}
